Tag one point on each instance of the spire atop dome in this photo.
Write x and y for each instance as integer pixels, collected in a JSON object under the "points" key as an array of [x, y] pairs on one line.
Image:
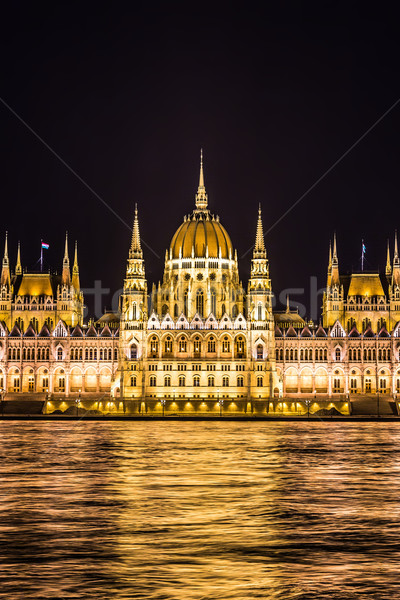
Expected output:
{"points": [[18, 267], [201, 196]]}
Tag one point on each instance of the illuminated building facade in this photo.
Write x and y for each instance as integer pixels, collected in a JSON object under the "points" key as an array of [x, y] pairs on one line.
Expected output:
{"points": [[199, 342]]}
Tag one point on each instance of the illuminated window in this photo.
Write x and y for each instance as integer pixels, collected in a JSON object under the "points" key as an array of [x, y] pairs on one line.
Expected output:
{"points": [[134, 311], [31, 384], [182, 344], [338, 354], [211, 381], [59, 354], [133, 381], [225, 381], [200, 302], [182, 381], [196, 381], [167, 381], [260, 352], [259, 312], [153, 381], [213, 302], [259, 381], [154, 346], [240, 381], [211, 345], [368, 385], [240, 347], [168, 345], [197, 345], [226, 346]]}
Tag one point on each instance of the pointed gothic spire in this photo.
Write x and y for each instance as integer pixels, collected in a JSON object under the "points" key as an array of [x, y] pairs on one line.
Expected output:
{"points": [[335, 264], [388, 265], [330, 255], [18, 267], [66, 275], [201, 196], [396, 263], [136, 248], [287, 303], [5, 271], [259, 246], [75, 270]]}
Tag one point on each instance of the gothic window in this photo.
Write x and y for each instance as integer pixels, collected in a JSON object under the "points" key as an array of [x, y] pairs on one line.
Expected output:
{"points": [[200, 302], [61, 384], [196, 381], [226, 346], [336, 384], [133, 354], [175, 310], [182, 345], [353, 385], [211, 345], [225, 381], [301, 354], [382, 385], [223, 310], [197, 345], [235, 311], [154, 346], [20, 323], [133, 380], [213, 302], [49, 323], [259, 312], [260, 352], [182, 381], [185, 302], [338, 354], [277, 353], [109, 354], [167, 381], [153, 381], [134, 311], [368, 385], [168, 345], [240, 347], [35, 323], [59, 354], [325, 354], [281, 354], [240, 381], [287, 354], [259, 381]]}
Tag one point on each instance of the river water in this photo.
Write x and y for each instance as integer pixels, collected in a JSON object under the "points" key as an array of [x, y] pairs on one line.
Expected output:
{"points": [[199, 511]]}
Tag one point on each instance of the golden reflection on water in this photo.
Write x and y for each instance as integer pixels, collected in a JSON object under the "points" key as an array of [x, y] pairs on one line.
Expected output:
{"points": [[195, 511]]}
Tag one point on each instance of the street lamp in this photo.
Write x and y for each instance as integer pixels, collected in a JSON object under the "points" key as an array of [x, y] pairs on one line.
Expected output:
{"points": [[308, 402], [221, 404], [163, 401], [2, 392]]}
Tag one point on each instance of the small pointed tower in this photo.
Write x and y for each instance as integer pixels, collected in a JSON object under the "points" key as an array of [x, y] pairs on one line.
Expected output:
{"points": [[396, 264], [5, 271], [388, 270], [75, 271], [394, 287], [259, 311], [332, 304], [133, 321], [18, 267], [66, 275]]}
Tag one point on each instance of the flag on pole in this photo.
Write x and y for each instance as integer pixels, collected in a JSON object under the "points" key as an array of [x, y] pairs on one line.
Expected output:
{"points": [[45, 246]]}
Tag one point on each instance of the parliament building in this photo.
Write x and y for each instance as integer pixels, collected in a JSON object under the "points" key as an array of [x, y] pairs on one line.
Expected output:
{"points": [[200, 341]]}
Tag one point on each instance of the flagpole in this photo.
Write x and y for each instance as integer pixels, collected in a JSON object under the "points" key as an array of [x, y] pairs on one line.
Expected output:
{"points": [[41, 256]]}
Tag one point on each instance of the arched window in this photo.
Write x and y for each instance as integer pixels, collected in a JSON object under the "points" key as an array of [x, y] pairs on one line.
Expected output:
{"points": [[259, 381], [154, 346], [182, 381], [167, 381], [35, 323], [211, 381], [200, 302], [59, 354], [175, 310], [338, 354], [213, 302], [225, 381], [185, 302], [240, 347], [182, 344], [168, 345], [211, 344], [260, 352], [226, 346], [235, 311], [223, 311], [133, 352], [240, 381], [133, 380], [196, 381], [153, 381], [301, 354], [134, 311], [197, 345]]}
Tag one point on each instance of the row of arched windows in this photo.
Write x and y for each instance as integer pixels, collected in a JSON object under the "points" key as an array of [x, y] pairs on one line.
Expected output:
{"points": [[320, 354], [196, 346], [93, 354], [182, 381]]}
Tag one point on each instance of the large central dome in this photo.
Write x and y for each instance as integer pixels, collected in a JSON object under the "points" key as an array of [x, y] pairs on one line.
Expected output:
{"points": [[201, 234]]}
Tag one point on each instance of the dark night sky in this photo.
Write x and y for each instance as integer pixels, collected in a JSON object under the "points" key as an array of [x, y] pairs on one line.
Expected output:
{"points": [[128, 97]]}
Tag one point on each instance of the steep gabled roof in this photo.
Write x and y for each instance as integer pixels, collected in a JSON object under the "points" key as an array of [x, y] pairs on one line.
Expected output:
{"points": [[291, 332], [105, 332], [320, 333], [30, 332], [354, 333], [368, 333], [45, 331], [384, 333], [91, 332], [77, 332], [278, 332], [15, 331], [306, 332]]}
